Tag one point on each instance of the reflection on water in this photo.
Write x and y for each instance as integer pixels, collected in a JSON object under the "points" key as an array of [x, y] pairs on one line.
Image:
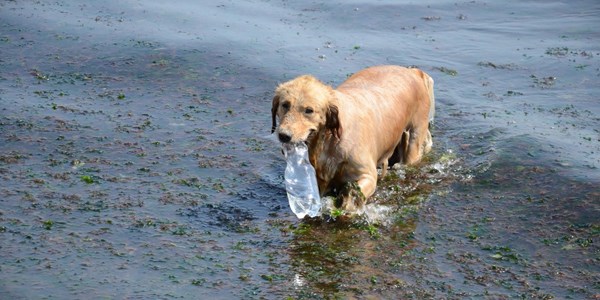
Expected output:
{"points": [[340, 258], [347, 257]]}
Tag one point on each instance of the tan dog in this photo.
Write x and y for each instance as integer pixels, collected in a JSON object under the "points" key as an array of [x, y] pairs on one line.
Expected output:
{"points": [[378, 117]]}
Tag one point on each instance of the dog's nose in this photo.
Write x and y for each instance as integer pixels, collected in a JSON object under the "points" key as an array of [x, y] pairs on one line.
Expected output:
{"points": [[284, 138]]}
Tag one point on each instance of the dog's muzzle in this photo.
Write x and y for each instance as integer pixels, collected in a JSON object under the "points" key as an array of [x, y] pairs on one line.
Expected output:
{"points": [[284, 138]]}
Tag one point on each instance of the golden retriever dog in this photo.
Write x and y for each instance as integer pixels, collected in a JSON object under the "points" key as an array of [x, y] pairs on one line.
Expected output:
{"points": [[376, 118]]}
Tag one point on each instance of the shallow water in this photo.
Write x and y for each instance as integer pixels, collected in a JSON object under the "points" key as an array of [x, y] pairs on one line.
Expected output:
{"points": [[134, 163]]}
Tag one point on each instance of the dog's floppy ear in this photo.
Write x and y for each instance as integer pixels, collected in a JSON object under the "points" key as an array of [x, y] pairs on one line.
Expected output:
{"points": [[332, 121], [274, 112]]}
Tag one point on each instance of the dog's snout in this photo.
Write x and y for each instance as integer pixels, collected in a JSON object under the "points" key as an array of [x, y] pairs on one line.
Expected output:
{"points": [[284, 138]]}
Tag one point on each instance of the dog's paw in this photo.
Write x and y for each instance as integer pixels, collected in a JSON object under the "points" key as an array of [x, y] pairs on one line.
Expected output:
{"points": [[351, 199]]}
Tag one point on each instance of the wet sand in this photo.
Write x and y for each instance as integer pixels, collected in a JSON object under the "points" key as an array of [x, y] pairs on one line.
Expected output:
{"points": [[134, 161]]}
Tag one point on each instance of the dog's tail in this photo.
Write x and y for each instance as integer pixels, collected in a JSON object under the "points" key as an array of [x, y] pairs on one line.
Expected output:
{"points": [[429, 85]]}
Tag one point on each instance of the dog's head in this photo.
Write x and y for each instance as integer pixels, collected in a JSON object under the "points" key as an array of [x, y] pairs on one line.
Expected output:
{"points": [[304, 107]]}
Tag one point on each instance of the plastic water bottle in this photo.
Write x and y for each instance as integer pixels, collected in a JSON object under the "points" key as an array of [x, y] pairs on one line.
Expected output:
{"points": [[301, 181]]}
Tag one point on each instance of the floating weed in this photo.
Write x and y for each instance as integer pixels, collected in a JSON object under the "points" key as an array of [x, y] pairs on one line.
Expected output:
{"points": [[190, 182], [584, 242], [336, 212], [78, 77], [93, 206], [244, 277], [505, 284], [44, 94], [487, 219], [278, 223], [301, 229], [240, 245], [144, 223], [198, 282], [11, 157], [581, 242], [141, 43], [180, 230], [144, 125], [512, 93], [543, 82], [218, 186], [504, 253], [253, 144], [447, 71], [595, 229], [144, 169], [48, 224], [413, 200], [497, 66], [581, 236], [272, 277], [87, 179], [267, 277], [557, 51], [472, 236], [373, 231], [173, 278], [564, 51], [447, 157], [474, 233], [38, 75]]}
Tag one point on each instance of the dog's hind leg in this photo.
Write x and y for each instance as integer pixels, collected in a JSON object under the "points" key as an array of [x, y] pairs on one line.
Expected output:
{"points": [[419, 143], [428, 142], [400, 150]]}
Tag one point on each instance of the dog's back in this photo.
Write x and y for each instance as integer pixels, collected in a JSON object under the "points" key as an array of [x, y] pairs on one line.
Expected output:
{"points": [[388, 100]]}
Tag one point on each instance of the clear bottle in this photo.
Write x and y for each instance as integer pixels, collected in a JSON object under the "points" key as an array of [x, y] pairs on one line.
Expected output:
{"points": [[301, 181]]}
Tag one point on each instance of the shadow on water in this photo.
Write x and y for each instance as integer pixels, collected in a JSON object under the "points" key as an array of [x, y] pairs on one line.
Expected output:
{"points": [[518, 227]]}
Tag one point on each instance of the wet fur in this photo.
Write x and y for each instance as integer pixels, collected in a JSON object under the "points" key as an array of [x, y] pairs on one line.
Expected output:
{"points": [[378, 117]]}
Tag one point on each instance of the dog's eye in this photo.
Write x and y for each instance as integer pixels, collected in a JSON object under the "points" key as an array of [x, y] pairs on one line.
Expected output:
{"points": [[285, 105], [308, 110]]}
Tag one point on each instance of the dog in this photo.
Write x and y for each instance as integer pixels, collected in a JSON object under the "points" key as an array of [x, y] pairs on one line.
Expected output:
{"points": [[378, 117]]}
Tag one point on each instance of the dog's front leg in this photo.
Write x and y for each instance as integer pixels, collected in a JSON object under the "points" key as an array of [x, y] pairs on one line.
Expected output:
{"points": [[354, 195]]}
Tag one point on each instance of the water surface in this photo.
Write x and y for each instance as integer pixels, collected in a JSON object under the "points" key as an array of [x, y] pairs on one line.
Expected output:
{"points": [[134, 163]]}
